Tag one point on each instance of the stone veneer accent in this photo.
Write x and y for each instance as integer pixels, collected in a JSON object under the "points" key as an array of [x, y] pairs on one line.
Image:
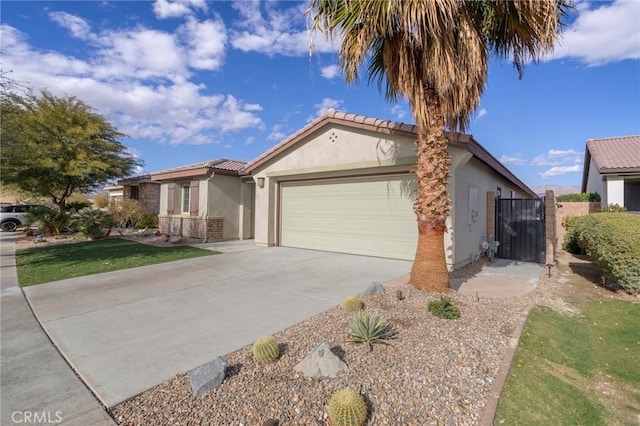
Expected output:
{"points": [[205, 229], [148, 196]]}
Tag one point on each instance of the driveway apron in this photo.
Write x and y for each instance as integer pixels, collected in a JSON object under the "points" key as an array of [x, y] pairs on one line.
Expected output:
{"points": [[127, 331]]}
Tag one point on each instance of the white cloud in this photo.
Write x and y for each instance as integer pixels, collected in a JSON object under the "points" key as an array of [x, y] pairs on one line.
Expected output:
{"points": [[330, 72], [207, 43], [481, 113], [276, 133], [139, 78], [324, 106], [177, 8], [279, 31], [561, 170], [252, 107], [607, 33], [517, 159], [557, 157], [249, 140], [78, 27], [398, 111]]}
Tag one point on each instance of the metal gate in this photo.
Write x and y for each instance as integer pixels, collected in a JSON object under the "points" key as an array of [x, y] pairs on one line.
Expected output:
{"points": [[520, 229]]}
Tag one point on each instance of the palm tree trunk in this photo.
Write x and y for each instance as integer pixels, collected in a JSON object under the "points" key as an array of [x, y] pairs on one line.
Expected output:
{"points": [[432, 205]]}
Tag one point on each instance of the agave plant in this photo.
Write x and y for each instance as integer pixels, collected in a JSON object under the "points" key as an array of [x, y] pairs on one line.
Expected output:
{"points": [[369, 328]]}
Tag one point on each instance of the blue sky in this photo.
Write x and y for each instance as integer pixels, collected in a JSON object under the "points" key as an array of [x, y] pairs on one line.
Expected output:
{"points": [[189, 81]]}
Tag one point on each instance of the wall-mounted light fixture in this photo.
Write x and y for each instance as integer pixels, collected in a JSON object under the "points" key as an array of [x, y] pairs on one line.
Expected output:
{"points": [[260, 182]]}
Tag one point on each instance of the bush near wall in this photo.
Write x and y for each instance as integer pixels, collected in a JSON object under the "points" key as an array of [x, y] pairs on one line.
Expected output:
{"points": [[612, 240], [591, 197]]}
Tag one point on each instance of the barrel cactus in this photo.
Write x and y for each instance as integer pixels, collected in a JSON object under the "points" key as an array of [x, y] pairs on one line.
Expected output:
{"points": [[347, 408], [266, 350], [351, 304]]}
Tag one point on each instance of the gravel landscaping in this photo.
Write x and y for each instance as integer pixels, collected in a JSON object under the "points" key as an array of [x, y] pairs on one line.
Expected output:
{"points": [[438, 371]]}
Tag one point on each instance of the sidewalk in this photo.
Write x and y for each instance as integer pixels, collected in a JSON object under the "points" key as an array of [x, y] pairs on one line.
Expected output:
{"points": [[36, 384]]}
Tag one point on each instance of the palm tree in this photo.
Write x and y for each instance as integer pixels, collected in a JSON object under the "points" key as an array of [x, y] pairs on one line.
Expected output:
{"points": [[435, 53]]}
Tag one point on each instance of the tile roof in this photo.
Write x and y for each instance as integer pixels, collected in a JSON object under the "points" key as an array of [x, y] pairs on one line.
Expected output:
{"points": [[388, 127], [615, 154], [217, 164]]}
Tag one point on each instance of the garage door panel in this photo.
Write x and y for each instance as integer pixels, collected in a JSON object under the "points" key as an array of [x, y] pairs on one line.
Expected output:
{"points": [[370, 216]]}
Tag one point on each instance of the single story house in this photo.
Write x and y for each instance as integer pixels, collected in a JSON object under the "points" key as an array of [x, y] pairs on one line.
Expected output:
{"points": [[143, 189], [208, 200], [612, 169], [344, 183], [114, 192]]}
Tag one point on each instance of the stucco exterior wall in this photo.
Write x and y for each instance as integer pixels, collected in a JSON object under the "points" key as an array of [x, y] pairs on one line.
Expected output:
{"points": [[224, 201], [335, 151], [615, 191], [594, 180], [467, 233], [331, 151], [246, 209]]}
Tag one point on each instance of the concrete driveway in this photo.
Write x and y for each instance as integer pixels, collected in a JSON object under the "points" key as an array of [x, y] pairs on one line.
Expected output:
{"points": [[127, 331]]}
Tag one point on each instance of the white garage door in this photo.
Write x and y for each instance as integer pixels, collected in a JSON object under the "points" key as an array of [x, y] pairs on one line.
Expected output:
{"points": [[370, 216]]}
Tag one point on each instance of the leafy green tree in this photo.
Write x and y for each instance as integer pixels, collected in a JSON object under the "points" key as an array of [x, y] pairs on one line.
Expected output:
{"points": [[56, 146], [436, 55], [100, 201]]}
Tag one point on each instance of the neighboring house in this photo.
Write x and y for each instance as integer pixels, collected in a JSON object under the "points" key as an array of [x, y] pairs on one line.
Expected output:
{"points": [[114, 192], [143, 189], [344, 183], [208, 200], [612, 169]]}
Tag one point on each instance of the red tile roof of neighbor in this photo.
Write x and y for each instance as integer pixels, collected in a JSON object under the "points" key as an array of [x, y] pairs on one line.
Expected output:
{"points": [[223, 165], [615, 154], [612, 155], [460, 140]]}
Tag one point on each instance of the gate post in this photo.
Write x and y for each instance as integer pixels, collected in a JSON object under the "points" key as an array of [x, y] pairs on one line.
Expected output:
{"points": [[550, 226], [491, 214]]}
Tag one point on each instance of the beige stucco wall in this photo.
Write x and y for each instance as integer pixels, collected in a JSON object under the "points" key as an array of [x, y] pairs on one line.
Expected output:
{"points": [[246, 210], [615, 191], [467, 233], [225, 201], [337, 151], [594, 181]]}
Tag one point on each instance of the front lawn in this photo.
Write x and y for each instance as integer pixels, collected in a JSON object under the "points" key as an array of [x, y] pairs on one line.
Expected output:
{"points": [[572, 370], [52, 263]]}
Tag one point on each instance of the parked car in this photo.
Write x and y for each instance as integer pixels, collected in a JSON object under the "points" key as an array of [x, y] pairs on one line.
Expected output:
{"points": [[13, 217]]}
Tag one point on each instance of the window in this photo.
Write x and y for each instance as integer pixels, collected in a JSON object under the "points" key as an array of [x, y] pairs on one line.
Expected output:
{"points": [[135, 193], [185, 199]]}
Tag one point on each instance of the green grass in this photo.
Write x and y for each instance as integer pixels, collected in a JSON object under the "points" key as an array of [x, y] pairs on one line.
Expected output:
{"points": [[562, 363], [44, 264]]}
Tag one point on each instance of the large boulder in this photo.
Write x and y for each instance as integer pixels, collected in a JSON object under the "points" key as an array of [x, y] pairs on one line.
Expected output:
{"points": [[321, 363], [207, 376]]}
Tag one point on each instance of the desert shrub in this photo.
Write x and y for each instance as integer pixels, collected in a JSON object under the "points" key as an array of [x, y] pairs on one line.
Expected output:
{"points": [[100, 201], [613, 208], [148, 221], [443, 308], [92, 223], [47, 220], [591, 196], [612, 240], [369, 328], [77, 203], [127, 213]]}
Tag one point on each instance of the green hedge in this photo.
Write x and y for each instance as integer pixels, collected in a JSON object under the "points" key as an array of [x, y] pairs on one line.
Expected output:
{"points": [[591, 196], [612, 240]]}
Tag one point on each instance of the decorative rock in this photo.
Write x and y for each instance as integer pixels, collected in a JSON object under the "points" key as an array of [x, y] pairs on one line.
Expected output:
{"points": [[207, 376], [321, 363], [374, 287]]}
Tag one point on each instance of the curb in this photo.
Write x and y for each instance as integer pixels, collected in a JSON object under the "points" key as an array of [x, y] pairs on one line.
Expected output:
{"points": [[491, 407]]}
